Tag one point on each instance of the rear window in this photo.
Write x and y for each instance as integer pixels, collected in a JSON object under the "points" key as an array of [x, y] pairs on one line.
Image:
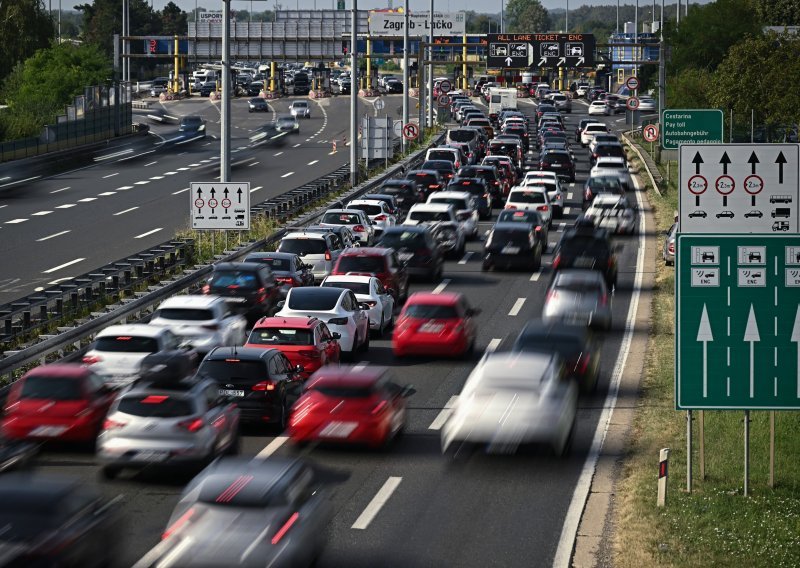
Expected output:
{"points": [[341, 219], [234, 279], [343, 392], [556, 156], [596, 128], [127, 344], [527, 197], [281, 336], [609, 150], [185, 314], [155, 406], [403, 239], [312, 299], [576, 284], [507, 236], [361, 264], [234, 370], [280, 264], [589, 246], [442, 155], [462, 135], [51, 388], [355, 287], [431, 311], [508, 215], [457, 203], [303, 247], [368, 209], [424, 216]]}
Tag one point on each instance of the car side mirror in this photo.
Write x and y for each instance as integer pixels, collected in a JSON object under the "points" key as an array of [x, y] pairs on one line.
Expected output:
{"points": [[336, 335], [298, 369]]}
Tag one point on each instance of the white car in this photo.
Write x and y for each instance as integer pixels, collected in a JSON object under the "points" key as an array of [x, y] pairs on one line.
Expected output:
{"points": [[647, 104], [355, 219], [554, 190], [590, 130], [319, 250], [608, 138], [442, 218], [466, 208], [204, 322], [582, 89], [118, 350], [531, 199], [337, 307], [613, 213], [300, 109], [379, 213], [513, 399], [598, 108], [610, 165], [370, 291]]}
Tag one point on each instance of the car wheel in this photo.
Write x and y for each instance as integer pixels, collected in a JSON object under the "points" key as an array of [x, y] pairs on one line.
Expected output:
{"points": [[365, 345], [235, 446], [485, 267], [282, 417], [110, 471], [381, 328], [537, 265]]}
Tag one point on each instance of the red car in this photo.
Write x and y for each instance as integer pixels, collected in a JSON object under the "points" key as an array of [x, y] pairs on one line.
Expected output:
{"points": [[378, 261], [304, 341], [57, 402], [350, 405], [435, 324]]}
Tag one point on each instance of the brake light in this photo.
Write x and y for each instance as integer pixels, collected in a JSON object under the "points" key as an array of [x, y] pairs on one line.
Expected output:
{"points": [[285, 279], [379, 407], [263, 386], [182, 520], [192, 424], [327, 255], [91, 359], [538, 228], [543, 208], [206, 289], [109, 424], [359, 229], [556, 261], [433, 186], [285, 528], [584, 364], [154, 399], [671, 247]]}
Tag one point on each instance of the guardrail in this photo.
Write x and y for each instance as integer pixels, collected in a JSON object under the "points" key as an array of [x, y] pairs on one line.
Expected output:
{"points": [[68, 339]]}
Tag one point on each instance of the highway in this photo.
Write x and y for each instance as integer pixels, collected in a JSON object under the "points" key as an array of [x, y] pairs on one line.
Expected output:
{"points": [[406, 506], [59, 227]]}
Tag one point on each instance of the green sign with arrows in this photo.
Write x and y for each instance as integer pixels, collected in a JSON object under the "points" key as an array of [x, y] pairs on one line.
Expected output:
{"points": [[738, 322]]}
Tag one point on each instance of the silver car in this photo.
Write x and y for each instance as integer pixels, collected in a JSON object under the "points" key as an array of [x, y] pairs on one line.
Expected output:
{"points": [[355, 219], [320, 250], [669, 245], [300, 109], [167, 418], [578, 296]]}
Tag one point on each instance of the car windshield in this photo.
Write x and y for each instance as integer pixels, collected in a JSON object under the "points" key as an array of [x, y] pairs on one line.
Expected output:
{"points": [[126, 344], [185, 314], [431, 311], [356, 287], [234, 279], [341, 219], [155, 406], [233, 369], [299, 104], [349, 263], [51, 388], [313, 299], [527, 197], [281, 336], [368, 209], [423, 216], [303, 247]]}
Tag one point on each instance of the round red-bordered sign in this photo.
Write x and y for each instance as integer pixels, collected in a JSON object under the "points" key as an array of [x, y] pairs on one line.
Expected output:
{"points": [[650, 132], [697, 184], [443, 100], [410, 131], [213, 203], [725, 185], [199, 203], [226, 203], [445, 86], [753, 184], [632, 103], [632, 83]]}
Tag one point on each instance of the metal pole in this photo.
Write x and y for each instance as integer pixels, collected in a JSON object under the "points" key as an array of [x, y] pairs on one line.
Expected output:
{"points": [[617, 16], [354, 95], [225, 118], [406, 74], [678, 19], [746, 452], [688, 451], [730, 129], [662, 77], [702, 445], [59, 21], [503, 16], [566, 19], [430, 69], [124, 25], [126, 43], [772, 449], [752, 123], [636, 40]]}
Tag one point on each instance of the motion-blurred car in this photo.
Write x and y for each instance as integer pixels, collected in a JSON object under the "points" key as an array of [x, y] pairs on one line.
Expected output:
{"points": [[668, 253], [446, 168], [598, 108], [435, 324], [249, 287], [476, 187], [513, 245], [613, 213], [319, 250], [378, 212], [355, 219], [532, 218], [442, 219], [511, 400], [288, 124], [57, 402], [417, 248], [169, 417], [193, 126], [370, 291], [404, 190], [300, 109], [427, 181], [288, 269], [608, 183], [466, 209], [584, 246], [257, 104], [578, 296], [248, 513], [350, 405]]}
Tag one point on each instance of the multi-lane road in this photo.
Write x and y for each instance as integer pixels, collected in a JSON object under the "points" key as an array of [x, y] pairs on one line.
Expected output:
{"points": [[408, 505]]}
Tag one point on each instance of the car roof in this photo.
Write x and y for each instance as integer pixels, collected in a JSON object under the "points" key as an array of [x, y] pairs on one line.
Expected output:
{"points": [[451, 194], [349, 211], [441, 299], [349, 278], [190, 301], [347, 376], [522, 369], [269, 254], [304, 235], [577, 275], [608, 197], [236, 353], [139, 329], [437, 207], [365, 202], [65, 370], [246, 266], [366, 251], [287, 321]]}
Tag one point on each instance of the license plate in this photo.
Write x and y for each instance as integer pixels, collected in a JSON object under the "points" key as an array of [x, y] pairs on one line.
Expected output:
{"points": [[510, 250], [229, 392], [48, 431], [405, 255], [583, 262], [338, 429], [152, 455], [431, 328]]}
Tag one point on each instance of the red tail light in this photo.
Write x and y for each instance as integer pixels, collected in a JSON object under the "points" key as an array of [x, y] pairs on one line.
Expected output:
{"points": [[91, 359], [671, 248], [263, 386], [538, 228], [584, 364], [112, 424], [285, 280], [359, 229], [207, 289], [379, 407], [380, 218], [192, 424], [327, 255], [285, 528], [543, 208], [182, 520], [556, 261]]}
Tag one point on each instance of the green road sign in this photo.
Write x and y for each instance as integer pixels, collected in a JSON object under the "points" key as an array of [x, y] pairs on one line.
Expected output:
{"points": [[690, 126], [738, 322]]}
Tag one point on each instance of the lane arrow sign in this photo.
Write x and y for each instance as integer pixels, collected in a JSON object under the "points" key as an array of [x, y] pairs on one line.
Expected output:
{"points": [[239, 191], [704, 335], [725, 160], [697, 160], [751, 336], [780, 160], [581, 61], [561, 61], [509, 61], [753, 161], [225, 192], [796, 339], [542, 62]]}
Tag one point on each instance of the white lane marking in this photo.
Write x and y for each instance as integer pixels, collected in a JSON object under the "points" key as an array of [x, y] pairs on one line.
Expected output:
{"points": [[60, 190], [182, 169], [60, 280], [535, 276], [569, 530], [15, 221], [111, 175], [561, 227], [272, 447], [278, 154], [569, 195], [286, 175], [145, 182], [256, 188], [148, 233], [125, 211], [567, 210], [312, 162], [374, 507], [180, 191], [151, 163], [60, 266], [107, 193], [157, 177], [253, 164], [54, 235], [493, 345], [124, 188], [2, 206], [466, 258], [442, 285], [65, 206], [296, 145], [193, 165], [444, 414], [517, 307], [41, 213], [170, 173]]}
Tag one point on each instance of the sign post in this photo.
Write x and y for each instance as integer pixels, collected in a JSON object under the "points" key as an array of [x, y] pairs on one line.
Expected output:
{"points": [[691, 126]]}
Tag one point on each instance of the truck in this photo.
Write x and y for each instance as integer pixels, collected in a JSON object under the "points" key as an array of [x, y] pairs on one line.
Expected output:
{"points": [[501, 99]]}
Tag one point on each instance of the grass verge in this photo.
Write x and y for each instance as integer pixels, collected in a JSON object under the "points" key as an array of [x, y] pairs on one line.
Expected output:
{"points": [[714, 525]]}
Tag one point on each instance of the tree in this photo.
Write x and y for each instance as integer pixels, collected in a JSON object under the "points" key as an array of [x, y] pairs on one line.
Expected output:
{"points": [[25, 26], [65, 70], [173, 20], [778, 12], [103, 18], [690, 88], [526, 16]]}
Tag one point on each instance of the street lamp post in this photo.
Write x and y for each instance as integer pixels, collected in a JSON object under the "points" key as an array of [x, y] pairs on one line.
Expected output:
{"points": [[354, 141], [430, 69], [406, 74]]}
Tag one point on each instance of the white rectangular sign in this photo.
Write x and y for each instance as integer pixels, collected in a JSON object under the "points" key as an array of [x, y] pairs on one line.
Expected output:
{"points": [[220, 206], [739, 188], [209, 17], [392, 23]]}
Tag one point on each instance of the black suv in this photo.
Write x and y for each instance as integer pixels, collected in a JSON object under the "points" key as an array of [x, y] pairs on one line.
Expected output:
{"points": [[262, 382], [427, 181], [477, 187], [513, 245], [404, 190], [489, 174], [417, 247], [249, 287], [584, 246]]}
